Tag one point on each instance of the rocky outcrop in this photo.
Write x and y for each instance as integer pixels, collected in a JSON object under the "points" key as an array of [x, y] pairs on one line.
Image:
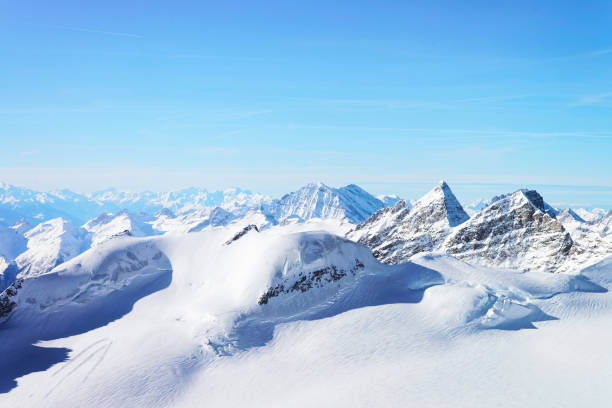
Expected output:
{"points": [[242, 233], [7, 303], [309, 280]]}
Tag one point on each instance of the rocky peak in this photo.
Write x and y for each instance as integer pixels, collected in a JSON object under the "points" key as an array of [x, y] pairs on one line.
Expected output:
{"points": [[538, 202], [396, 233], [517, 230], [439, 206]]}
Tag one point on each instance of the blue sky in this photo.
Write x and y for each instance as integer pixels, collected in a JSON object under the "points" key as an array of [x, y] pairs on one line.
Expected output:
{"points": [[391, 95]]}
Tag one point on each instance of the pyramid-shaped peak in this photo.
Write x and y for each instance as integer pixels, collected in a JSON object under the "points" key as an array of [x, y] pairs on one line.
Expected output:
{"points": [[442, 196], [441, 191], [443, 184]]}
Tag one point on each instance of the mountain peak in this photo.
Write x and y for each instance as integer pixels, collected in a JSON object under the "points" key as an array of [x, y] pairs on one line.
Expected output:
{"points": [[537, 201], [317, 200], [442, 195], [315, 185], [569, 214]]}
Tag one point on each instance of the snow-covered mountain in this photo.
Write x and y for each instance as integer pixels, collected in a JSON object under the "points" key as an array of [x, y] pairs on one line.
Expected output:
{"points": [[395, 234], [316, 200], [49, 244], [112, 214], [590, 215], [592, 239], [217, 217], [178, 202], [388, 200], [186, 209], [21, 226], [18, 202], [107, 226], [604, 225], [202, 288], [475, 206], [517, 230], [12, 243]]}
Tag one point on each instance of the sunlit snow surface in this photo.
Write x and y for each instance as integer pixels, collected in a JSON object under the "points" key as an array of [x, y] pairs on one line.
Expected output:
{"points": [[176, 320]]}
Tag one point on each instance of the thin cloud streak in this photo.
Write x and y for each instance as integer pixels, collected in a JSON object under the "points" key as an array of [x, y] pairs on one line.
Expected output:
{"points": [[88, 30], [592, 99], [467, 132], [602, 52]]}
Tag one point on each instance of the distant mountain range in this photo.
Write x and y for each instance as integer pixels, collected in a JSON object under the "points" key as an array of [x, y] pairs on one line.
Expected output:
{"points": [[519, 230]]}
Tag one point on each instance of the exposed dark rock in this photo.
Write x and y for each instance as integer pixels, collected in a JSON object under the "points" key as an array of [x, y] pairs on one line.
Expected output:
{"points": [[242, 233], [7, 304], [308, 280]]}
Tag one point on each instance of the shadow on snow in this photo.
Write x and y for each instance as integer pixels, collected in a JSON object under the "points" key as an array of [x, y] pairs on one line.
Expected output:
{"points": [[19, 354]]}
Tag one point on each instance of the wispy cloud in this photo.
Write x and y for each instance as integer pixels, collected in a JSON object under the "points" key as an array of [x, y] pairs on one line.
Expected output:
{"points": [[458, 133], [592, 99], [161, 55], [407, 104], [601, 52], [88, 30]]}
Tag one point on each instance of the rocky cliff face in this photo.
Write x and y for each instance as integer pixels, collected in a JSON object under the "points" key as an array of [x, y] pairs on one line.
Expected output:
{"points": [[395, 234], [518, 230]]}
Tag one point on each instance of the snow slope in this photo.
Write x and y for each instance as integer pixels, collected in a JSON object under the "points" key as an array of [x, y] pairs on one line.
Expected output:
{"points": [[590, 215], [49, 244], [423, 355], [12, 243], [285, 317], [108, 226]]}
